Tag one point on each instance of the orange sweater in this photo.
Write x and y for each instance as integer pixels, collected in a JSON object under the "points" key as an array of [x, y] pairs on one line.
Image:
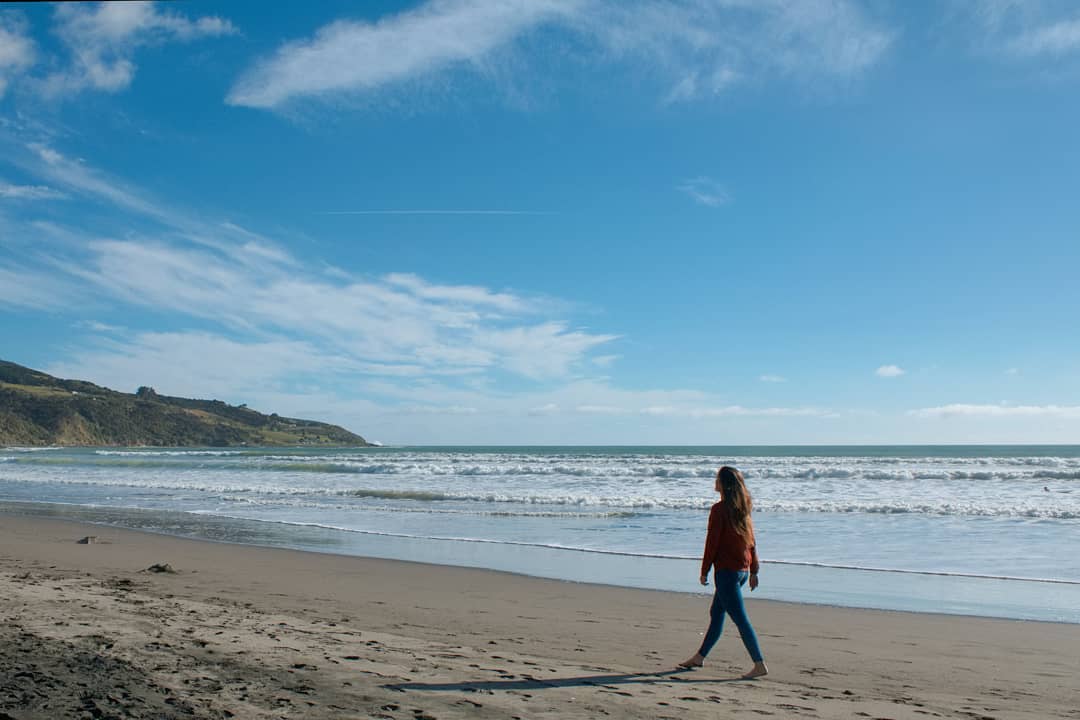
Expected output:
{"points": [[724, 548]]}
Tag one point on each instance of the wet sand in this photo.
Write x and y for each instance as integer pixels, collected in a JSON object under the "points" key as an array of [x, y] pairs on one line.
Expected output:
{"points": [[243, 632]]}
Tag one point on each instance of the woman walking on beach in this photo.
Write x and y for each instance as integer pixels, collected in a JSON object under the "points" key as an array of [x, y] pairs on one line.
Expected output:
{"points": [[731, 552]]}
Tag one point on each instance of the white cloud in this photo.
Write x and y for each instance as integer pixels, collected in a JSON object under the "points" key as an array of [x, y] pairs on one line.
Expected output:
{"points": [[601, 410], [889, 371], [393, 329], [434, 410], [740, 411], [79, 178], [101, 40], [29, 192], [199, 364], [589, 397], [19, 288], [463, 294], [539, 351], [1012, 371], [709, 45], [1021, 28], [725, 411], [772, 379], [352, 56], [101, 327], [300, 378], [17, 51], [698, 46], [694, 84], [414, 358], [1057, 38], [961, 410], [246, 247], [218, 272], [705, 191]]}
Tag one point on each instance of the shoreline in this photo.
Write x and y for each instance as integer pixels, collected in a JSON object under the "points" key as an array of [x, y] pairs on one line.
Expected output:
{"points": [[86, 526], [267, 632], [919, 592]]}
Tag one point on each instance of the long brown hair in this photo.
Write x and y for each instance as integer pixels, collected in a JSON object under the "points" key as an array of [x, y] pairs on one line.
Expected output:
{"points": [[737, 501]]}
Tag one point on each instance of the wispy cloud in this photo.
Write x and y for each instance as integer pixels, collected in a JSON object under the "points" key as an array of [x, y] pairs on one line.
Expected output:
{"points": [[100, 326], [538, 351], [395, 319], [435, 410], [601, 410], [1057, 38], [29, 192], [736, 411], [305, 378], [697, 84], [595, 397], [355, 56], [79, 178], [22, 289], [101, 41], [697, 47], [1023, 29], [889, 371], [772, 379], [17, 50], [464, 294], [397, 324], [705, 191], [200, 363], [707, 46], [999, 411]]}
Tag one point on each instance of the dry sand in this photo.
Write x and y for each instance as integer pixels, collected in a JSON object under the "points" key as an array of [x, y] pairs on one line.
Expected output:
{"points": [[243, 632]]}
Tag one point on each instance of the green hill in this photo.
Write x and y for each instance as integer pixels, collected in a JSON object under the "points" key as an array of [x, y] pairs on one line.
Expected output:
{"points": [[38, 409]]}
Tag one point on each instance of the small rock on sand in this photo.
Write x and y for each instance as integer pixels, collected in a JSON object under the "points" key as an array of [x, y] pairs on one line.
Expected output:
{"points": [[161, 568]]}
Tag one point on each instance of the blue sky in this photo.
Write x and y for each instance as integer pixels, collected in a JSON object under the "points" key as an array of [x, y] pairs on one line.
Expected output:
{"points": [[555, 221]]}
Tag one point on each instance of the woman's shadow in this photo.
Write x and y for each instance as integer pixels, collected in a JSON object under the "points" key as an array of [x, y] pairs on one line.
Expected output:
{"points": [[533, 683]]}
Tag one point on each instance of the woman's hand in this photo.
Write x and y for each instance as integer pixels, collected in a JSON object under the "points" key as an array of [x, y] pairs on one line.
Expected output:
{"points": [[753, 582], [704, 579]]}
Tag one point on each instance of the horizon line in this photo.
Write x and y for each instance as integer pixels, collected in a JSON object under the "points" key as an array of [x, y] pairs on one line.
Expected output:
{"points": [[739, 445]]}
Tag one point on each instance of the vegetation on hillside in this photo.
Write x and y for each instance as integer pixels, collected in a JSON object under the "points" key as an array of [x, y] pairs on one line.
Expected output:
{"points": [[39, 409]]}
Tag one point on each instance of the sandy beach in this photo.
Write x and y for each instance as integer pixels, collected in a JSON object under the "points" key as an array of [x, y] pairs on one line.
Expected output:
{"points": [[86, 630]]}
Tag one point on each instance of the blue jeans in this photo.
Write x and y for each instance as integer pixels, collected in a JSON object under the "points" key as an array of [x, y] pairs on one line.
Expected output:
{"points": [[728, 600]]}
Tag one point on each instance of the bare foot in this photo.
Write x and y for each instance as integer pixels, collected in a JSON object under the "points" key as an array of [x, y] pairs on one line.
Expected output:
{"points": [[759, 670], [694, 662]]}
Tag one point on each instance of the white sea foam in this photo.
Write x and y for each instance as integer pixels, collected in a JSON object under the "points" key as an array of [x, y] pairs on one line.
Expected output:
{"points": [[858, 510], [947, 501], [168, 453], [618, 470], [20, 449], [668, 556]]}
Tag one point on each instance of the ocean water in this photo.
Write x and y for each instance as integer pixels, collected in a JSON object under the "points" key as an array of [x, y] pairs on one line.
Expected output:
{"points": [[983, 530]]}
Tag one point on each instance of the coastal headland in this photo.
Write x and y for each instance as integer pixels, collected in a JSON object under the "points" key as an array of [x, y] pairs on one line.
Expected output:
{"points": [[37, 409]]}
